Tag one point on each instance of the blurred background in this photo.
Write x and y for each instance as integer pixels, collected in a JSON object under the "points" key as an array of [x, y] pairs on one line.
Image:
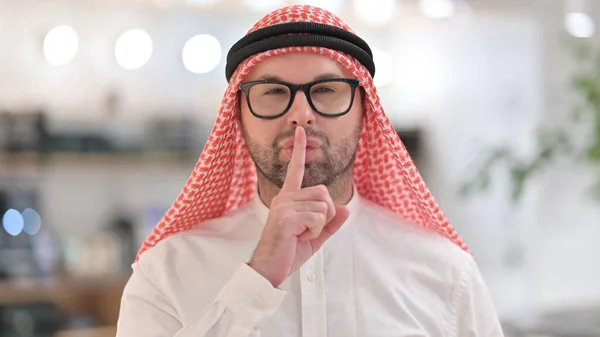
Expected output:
{"points": [[106, 105]]}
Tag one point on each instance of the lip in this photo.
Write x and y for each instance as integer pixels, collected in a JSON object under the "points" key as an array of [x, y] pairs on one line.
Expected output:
{"points": [[311, 153], [311, 143], [312, 148]]}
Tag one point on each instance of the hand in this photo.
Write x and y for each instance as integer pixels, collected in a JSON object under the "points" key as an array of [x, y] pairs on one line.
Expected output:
{"points": [[300, 221]]}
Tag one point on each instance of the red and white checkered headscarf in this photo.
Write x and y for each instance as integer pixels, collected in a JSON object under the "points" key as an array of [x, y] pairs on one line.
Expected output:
{"points": [[225, 176]]}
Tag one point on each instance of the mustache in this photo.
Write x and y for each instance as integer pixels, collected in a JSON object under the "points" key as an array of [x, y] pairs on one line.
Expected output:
{"points": [[311, 132]]}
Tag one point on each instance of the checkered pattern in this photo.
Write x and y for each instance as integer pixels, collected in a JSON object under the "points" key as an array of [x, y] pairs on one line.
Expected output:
{"points": [[225, 177]]}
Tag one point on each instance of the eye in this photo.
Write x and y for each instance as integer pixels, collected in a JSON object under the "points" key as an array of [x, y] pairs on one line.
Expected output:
{"points": [[271, 89], [275, 91], [323, 89]]}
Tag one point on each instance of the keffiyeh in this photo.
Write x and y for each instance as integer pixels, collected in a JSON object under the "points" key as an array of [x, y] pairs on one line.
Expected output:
{"points": [[224, 177]]}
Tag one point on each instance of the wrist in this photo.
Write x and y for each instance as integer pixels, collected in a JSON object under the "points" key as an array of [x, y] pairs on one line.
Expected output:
{"points": [[262, 269]]}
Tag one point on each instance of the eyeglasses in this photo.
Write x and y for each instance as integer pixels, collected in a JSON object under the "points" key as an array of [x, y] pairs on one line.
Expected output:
{"points": [[330, 97]]}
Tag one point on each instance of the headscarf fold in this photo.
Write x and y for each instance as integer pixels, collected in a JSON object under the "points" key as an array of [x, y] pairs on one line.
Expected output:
{"points": [[224, 177]]}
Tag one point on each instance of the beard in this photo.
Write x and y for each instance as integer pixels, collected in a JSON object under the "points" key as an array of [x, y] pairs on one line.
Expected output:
{"points": [[336, 160]]}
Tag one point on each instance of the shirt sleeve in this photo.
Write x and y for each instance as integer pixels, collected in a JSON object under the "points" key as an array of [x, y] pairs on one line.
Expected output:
{"points": [[474, 314], [242, 306]]}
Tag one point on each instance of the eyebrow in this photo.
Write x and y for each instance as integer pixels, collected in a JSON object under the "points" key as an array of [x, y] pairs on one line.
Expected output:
{"points": [[324, 76]]}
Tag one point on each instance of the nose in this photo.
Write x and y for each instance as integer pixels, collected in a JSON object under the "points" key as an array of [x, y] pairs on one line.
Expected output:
{"points": [[300, 112]]}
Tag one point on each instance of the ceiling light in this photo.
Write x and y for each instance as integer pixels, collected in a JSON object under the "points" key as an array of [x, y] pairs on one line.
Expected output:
{"points": [[60, 45], [580, 25], [133, 49], [201, 53]]}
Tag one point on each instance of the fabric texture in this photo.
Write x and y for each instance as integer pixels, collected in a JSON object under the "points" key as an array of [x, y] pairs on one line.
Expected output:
{"points": [[375, 277], [299, 34], [224, 177]]}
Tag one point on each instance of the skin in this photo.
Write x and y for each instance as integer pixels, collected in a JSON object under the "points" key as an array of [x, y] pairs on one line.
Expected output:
{"points": [[305, 199], [332, 166]]}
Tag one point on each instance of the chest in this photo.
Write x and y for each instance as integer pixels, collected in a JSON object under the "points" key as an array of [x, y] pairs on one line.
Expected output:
{"points": [[352, 287], [346, 295]]}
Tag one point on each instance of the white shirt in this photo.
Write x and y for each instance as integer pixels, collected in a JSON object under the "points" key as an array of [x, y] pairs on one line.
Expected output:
{"points": [[376, 277]]}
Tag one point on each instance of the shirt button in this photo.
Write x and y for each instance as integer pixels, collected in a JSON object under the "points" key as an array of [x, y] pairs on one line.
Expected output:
{"points": [[311, 277]]}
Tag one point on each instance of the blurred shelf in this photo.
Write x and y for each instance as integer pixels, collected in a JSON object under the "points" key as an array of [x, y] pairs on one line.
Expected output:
{"points": [[99, 298], [33, 160], [38, 291]]}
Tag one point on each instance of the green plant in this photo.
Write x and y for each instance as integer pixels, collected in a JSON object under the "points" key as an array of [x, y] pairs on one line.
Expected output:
{"points": [[558, 141]]}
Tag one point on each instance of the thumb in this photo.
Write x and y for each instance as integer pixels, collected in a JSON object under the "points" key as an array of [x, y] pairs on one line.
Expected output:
{"points": [[341, 215]]}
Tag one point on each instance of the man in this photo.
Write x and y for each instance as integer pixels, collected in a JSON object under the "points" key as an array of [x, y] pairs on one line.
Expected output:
{"points": [[305, 215]]}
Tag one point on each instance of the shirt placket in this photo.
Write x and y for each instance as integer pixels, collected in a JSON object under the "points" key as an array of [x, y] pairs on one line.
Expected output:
{"points": [[312, 288]]}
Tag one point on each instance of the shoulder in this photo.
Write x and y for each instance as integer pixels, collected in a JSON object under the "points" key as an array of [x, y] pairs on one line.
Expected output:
{"points": [[430, 259], [231, 235], [409, 241], [435, 268], [190, 267]]}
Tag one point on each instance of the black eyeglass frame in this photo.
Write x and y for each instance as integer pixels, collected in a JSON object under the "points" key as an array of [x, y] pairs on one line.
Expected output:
{"points": [[246, 86]]}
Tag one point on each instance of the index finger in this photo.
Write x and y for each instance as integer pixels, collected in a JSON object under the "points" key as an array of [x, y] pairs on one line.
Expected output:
{"points": [[295, 170]]}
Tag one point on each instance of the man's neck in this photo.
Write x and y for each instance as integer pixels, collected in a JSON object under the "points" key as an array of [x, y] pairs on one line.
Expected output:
{"points": [[341, 191]]}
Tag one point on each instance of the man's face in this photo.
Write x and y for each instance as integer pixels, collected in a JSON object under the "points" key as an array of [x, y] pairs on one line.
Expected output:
{"points": [[331, 141]]}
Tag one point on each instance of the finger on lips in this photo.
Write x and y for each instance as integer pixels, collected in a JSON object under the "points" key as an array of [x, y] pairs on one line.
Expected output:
{"points": [[295, 171]]}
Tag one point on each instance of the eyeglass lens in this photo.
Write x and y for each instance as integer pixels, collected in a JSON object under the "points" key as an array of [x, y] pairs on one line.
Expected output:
{"points": [[271, 99]]}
